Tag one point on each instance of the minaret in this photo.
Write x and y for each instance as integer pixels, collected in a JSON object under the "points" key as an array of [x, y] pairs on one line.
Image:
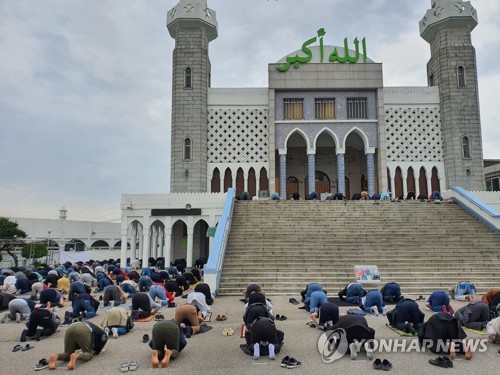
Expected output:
{"points": [[447, 27], [193, 25]]}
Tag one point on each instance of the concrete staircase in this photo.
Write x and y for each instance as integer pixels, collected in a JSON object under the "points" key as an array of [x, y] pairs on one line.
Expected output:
{"points": [[422, 246]]}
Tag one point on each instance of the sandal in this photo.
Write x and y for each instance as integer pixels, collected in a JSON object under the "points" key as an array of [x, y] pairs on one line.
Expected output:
{"points": [[133, 366], [223, 317], [224, 332], [27, 347], [16, 348], [230, 332], [218, 318], [124, 367], [42, 364]]}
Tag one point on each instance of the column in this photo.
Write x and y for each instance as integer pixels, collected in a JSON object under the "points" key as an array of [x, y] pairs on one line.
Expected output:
{"points": [[257, 184], [146, 241], [311, 169], [245, 186], [133, 246], [405, 184], [282, 152], [370, 167], [417, 188], [222, 183], [441, 185], [161, 238], [123, 249], [189, 258], [340, 171], [154, 246], [141, 244], [429, 184], [167, 249], [393, 185]]}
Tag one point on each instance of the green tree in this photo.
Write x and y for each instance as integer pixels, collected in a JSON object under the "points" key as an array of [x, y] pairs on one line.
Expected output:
{"points": [[11, 237], [34, 250]]}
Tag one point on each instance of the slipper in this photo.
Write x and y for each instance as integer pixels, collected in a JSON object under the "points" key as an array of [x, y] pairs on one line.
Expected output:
{"points": [[218, 318], [42, 364], [230, 332], [16, 348], [27, 347], [444, 362], [133, 366], [145, 338], [124, 367], [224, 332], [293, 301], [377, 364], [223, 317]]}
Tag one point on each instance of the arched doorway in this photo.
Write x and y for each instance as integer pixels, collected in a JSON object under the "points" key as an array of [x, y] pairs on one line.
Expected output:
{"points": [[435, 180], [201, 242], [74, 245], [228, 179], [398, 183], [215, 183], [410, 180], [100, 244], [252, 181], [179, 240], [322, 183], [240, 182], [263, 180], [422, 182]]}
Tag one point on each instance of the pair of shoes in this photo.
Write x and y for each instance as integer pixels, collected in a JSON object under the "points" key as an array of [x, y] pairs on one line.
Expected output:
{"points": [[384, 365], [114, 330], [290, 362], [159, 317], [227, 332], [420, 298], [281, 317], [293, 301], [126, 367], [145, 338], [42, 364], [441, 362], [221, 318]]}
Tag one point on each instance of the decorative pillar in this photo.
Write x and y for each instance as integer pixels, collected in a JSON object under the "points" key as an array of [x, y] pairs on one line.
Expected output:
{"points": [[222, 183], [370, 167], [167, 249], [133, 245], [417, 187], [257, 186], [341, 170], [146, 242], [393, 185], [441, 185], [245, 185], [311, 169], [282, 152], [161, 238], [189, 258], [140, 235], [429, 184]]}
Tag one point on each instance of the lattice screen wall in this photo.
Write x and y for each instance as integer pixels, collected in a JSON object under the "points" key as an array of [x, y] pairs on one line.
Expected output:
{"points": [[237, 135], [413, 134]]}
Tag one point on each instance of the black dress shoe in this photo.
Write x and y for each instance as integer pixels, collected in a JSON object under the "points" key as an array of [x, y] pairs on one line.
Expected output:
{"points": [[377, 364], [386, 365], [444, 362]]}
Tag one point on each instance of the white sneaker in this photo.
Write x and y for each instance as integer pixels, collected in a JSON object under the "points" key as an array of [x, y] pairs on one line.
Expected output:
{"points": [[369, 351], [354, 353], [375, 311], [384, 311], [18, 317], [115, 332], [106, 329], [4, 318]]}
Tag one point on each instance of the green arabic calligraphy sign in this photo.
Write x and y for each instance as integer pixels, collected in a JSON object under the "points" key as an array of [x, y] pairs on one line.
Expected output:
{"points": [[334, 56]]}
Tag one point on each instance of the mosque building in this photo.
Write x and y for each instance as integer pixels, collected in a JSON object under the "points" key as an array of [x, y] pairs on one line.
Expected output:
{"points": [[325, 123]]}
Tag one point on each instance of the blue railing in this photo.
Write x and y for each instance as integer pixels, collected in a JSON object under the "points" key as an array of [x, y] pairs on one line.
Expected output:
{"points": [[476, 207], [213, 269]]}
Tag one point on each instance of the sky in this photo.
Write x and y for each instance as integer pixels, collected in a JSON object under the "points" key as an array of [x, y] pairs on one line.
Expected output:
{"points": [[85, 85]]}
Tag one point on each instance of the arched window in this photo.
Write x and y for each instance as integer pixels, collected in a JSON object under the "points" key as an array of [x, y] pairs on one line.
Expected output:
{"points": [[187, 149], [465, 147], [461, 76], [188, 78]]}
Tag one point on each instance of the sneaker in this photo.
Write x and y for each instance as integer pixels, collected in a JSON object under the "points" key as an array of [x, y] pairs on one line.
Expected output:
{"points": [[375, 311], [369, 351], [67, 322], [284, 361], [4, 318], [256, 351], [115, 332], [352, 348], [18, 317], [293, 363], [384, 311], [106, 330], [272, 354]]}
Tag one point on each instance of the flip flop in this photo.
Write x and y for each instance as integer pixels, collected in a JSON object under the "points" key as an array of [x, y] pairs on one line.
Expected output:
{"points": [[124, 367], [16, 348], [27, 347], [42, 364], [133, 366], [145, 338]]}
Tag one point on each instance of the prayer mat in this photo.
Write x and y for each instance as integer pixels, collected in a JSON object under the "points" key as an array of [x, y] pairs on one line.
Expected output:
{"points": [[399, 332], [148, 319], [126, 306], [340, 302], [482, 333]]}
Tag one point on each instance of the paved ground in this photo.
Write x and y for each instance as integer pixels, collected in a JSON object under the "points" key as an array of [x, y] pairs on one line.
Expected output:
{"points": [[213, 353]]}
